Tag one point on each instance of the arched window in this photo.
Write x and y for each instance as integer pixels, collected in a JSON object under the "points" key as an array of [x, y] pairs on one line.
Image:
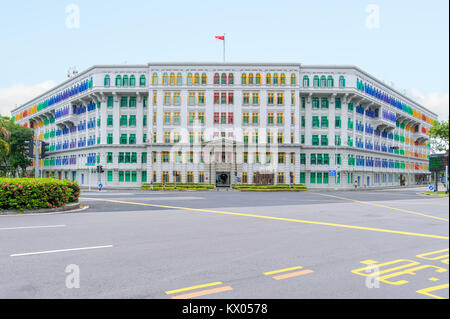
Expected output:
{"points": [[293, 79], [244, 78], [204, 78], [268, 79], [179, 79], [118, 81], [125, 81], [172, 78], [132, 81], [258, 79], [283, 79], [305, 81], [224, 78], [250, 79], [323, 81], [275, 79], [342, 81], [155, 79], [142, 80], [196, 78], [107, 81], [330, 81], [230, 78], [189, 79], [316, 81], [216, 78], [165, 79]]}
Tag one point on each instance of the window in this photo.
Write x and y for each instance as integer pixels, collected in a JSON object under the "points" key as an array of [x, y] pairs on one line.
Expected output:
{"points": [[109, 139], [315, 103], [125, 81], [338, 159], [315, 140], [280, 98], [109, 158], [216, 78], [132, 121], [323, 81], [316, 81], [293, 79], [319, 178], [324, 140], [118, 81], [196, 78], [251, 79], [338, 103], [123, 120], [216, 98], [255, 98], [167, 98], [107, 81], [204, 78], [123, 101], [269, 138], [324, 122], [324, 103], [255, 118], [268, 79], [342, 81], [132, 81], [337, 122], [315, 121], [172, 78], [154, 79], [326, 159], [283, 79], [165, 80], [280, 118], [167, 118], [132, 101], [132, 139], [258, 79], [224, 79], [230, 118], [275, 79], [176, 118], [270, 118], [246, 98], [302, 159], [330, 81], [280, 178], [223, 99], [292, 98], [123, 139], [303, 121], [281, 158], [110, 101], [270, 98], [230, 78], [337, 140], [179, 79], [280, 139], [230, 98], [109, 121], [165, 157], [189, 79], [243, 79], [142, 81], [201, 118], [305, 81]]}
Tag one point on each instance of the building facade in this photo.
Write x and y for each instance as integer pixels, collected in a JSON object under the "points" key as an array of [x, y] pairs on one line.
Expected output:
{"points": [[215, 123]]}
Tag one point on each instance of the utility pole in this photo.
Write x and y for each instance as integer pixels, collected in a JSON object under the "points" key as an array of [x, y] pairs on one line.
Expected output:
{"points": [[36, 159]]}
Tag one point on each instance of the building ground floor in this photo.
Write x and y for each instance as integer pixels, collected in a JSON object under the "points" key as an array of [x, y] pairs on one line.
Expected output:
{"points": [[223, 176]]}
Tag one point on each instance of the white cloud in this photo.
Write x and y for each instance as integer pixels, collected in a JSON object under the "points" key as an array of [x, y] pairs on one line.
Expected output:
{"points": [[19, 94], [435, 102]]}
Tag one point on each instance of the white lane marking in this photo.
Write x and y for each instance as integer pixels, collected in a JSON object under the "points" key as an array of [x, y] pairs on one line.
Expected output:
{"points": [[33, 227], [60, 251], [43, 214]]}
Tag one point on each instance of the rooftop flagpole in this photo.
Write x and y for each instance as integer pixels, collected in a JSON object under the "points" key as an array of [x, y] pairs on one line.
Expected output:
{"points": [[224, 48]]}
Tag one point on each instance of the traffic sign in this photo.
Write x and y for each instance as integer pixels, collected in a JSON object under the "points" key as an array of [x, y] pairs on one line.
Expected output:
{"points": [[431, 188], [332, 173]]}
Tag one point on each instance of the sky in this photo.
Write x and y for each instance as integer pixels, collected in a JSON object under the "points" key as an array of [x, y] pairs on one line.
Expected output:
{"points": [[404, 43]]}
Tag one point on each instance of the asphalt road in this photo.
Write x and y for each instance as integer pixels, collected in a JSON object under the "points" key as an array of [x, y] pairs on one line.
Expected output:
{"points": [[136, 244]]}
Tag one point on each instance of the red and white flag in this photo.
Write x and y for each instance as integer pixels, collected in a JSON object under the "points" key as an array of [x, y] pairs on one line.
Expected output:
{"points": [[220, 37]]}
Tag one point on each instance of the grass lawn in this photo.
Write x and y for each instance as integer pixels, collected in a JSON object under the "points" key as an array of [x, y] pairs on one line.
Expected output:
{"points": [[437, 193]]}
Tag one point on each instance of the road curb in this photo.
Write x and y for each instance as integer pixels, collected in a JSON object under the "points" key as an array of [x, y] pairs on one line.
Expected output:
{"points": [[66, 208]]}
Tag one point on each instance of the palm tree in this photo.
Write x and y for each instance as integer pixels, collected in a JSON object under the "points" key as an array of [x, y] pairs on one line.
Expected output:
{"points": [[4, 134]]}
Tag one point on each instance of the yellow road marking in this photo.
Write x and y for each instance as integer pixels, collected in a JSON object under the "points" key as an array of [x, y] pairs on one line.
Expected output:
{"points": [[426, 255], [203, 293], [384, 206], [276, 218], [293, 274], [427, 291], [171, 292], [369, 262], [281, 270]]}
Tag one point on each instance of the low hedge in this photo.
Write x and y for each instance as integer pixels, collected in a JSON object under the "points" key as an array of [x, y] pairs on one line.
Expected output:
{"points": [[171, 186], [270, 188], [31, 194]]}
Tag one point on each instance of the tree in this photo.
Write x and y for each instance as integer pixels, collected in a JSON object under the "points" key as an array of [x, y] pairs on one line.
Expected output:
{"points": [[12, 144], [439, 136]]}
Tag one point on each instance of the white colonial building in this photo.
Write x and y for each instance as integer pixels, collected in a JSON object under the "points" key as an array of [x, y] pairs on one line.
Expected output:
{"points": [[322, 126]]}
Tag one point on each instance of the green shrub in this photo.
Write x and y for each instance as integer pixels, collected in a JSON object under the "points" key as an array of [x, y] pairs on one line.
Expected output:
{"points": [[180, 186], [269, 188], [32, 194]]}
